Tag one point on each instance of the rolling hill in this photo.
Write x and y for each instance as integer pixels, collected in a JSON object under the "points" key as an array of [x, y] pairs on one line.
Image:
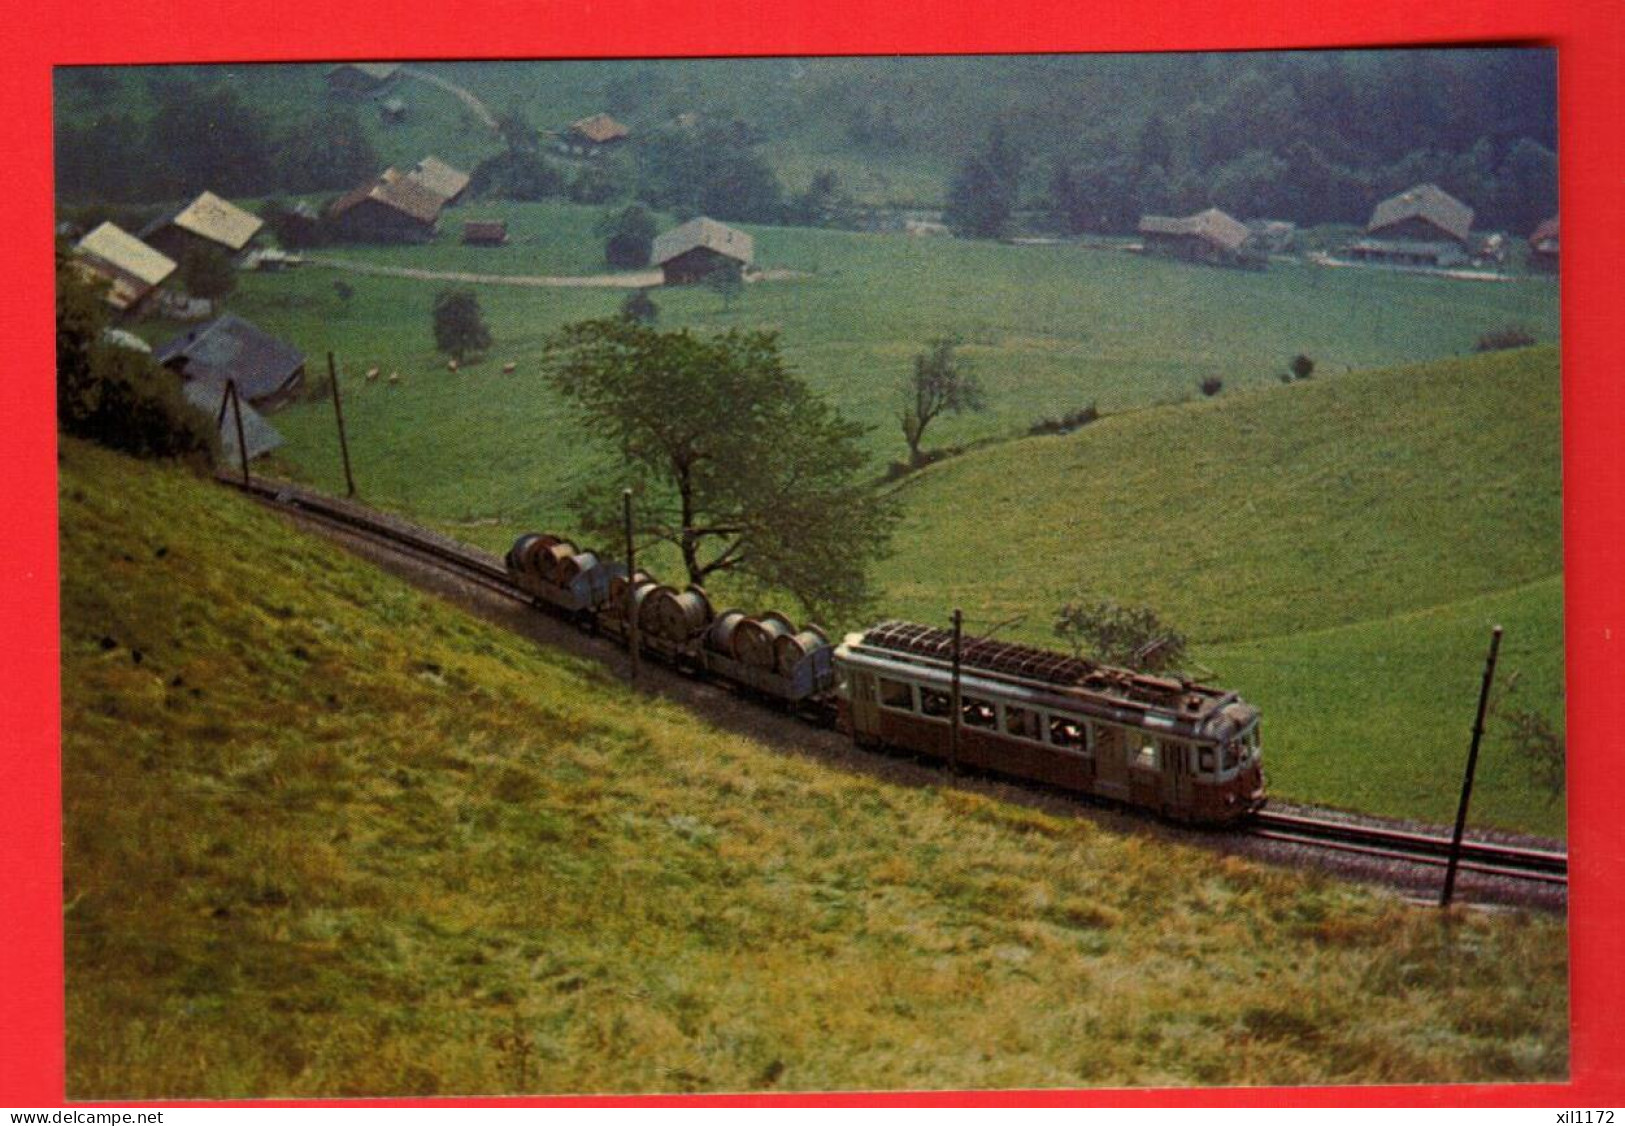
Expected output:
{"points": [[327, 837], [1337, 549]]}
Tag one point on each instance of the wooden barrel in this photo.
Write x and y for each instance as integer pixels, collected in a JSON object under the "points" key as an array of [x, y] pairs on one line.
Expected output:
{"points": [[574, 566], [679, 616], [535, 561], [641, 594], [515, 559], [550, 559], [790, 650], [720, 637], [754, 639]]}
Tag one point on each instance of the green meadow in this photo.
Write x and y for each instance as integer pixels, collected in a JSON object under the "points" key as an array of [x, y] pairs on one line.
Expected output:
{"points": [[1288, 529], [327, 837]]}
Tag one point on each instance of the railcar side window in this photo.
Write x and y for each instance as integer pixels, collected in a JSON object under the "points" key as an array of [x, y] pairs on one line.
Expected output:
{"points": [[977, 712], [1023, 723], [1145, 753], [897, 694], [935, 704], [1067, 733], [1232, 757]]}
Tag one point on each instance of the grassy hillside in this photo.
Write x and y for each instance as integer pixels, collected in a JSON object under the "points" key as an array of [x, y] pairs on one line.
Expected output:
{"points": [[324, 836], [1050, 329], [1338, 549]]}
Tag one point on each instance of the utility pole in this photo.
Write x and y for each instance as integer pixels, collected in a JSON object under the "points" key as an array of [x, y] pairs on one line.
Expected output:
{"points": [[237, 411], [338, 411], [953, 699], [1472, 766], [631, 584]]}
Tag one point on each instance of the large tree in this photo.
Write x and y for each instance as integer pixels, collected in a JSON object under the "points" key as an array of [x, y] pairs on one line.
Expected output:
{"points": [[942, 383], [459, 327], [734, 461]]}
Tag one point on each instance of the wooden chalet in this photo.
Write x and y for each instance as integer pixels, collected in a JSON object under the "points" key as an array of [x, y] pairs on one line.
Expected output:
{"points": [[592, 135], [132, 270], [698, 249], [391, 208], [207, 222], [360, 79], [1210, 237], [1424, 226], [1543, 247], [440, 178], [485, 232], [268, 372]]}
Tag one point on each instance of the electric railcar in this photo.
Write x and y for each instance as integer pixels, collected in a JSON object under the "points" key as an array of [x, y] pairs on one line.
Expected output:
{"points": [[1180, 749]]}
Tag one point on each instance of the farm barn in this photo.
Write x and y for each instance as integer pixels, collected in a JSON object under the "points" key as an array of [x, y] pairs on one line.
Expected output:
{"points": [[392, 208], [1210, 236], [132, 269], [268, 371], [1543, 247], [1421, 226], [592, 135], [208, 221], [440, 178], [700, 247], [485, 232], [355, 80]]}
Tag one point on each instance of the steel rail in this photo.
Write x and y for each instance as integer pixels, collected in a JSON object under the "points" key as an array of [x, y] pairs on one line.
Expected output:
{"points": [[1484, 857]]}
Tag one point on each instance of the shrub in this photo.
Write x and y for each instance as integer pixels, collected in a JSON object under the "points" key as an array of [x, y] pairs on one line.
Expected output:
{"points": [[1301, 367], [459, 327], [629, 236], [1511, 336], [1131, 636], [640, 307], [112, 395], [1211, 386], [1066, 423]]}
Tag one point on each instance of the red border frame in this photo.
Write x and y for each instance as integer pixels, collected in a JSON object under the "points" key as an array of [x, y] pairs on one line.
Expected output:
{"points": [[1587, 33]]}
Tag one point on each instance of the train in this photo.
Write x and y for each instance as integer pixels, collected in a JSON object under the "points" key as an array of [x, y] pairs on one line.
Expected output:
{"points": [[1182, 750]]}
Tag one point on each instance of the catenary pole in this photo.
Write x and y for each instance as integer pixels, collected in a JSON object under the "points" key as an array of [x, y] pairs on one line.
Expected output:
{"points": [[1472, 766], [338, 412]]}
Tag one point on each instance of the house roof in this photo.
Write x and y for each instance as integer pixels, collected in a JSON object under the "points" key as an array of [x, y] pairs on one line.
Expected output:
{"points": [[378, 72], [703, 232], [232, 348], [1546, 232], [208, 216], [1428, 202], [600, 128], [394, 190], [439, 177], [132, 266], [1212, 225], [208, 395]]}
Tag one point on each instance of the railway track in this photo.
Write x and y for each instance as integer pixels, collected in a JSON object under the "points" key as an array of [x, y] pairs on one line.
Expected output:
{"points": [[1374, 842], [1484, 858]]}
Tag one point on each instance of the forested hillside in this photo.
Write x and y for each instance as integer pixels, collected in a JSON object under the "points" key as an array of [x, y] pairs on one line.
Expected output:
{"points": [[1080, 142]]}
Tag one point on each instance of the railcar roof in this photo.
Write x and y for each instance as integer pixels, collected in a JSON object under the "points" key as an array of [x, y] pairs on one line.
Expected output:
{"points": [[1163, 702]]}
